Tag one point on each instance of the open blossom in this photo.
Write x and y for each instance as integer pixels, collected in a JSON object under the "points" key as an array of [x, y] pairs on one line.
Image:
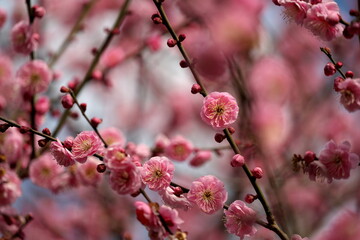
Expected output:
{"points": [[208, 193], [173, 200], [157, 173], [338, 160], [23, 39], [114, 156], [34, 77], [125, 180], [294, 9], [178, 149], [146, 216], [219, 110], [85, 144], [44, 171], [200, 158], [10, 186], [112, 136], [350, 93], [61, 154], [322, 20], [87, 172], [240, 219]]}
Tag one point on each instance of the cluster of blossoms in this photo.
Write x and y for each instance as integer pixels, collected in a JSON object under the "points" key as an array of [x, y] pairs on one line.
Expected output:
{"points": [[321, 17], [334, 162], [349, 88]]}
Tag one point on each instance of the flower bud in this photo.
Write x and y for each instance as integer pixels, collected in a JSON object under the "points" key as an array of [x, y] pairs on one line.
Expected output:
{"points": [[237, 161], [257, 172]]}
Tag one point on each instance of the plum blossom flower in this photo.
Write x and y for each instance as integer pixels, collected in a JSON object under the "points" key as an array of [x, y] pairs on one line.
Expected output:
{"points": [[146, 216], [10, 186], [322, 20], [112, 136], [85, 144], [338, 160], [61, 154], [114, 156], [23, 39], [240, 219], [34, 77], [125, 179], [44, 171], [219, 110], [209, 194], [87, 172], [173, 200], [178, 149], [350, 93], [294, 9], [200, 158], [157, 173]]}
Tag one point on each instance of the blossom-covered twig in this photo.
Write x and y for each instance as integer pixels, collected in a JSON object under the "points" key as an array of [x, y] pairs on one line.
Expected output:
{"points": [[269, 215]]}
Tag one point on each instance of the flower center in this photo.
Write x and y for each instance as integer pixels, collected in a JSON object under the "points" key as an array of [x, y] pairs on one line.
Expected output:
{"points": [[158, 174], [179, 150], [207, 195], [348, 96], [86, 145], [219, 109]]}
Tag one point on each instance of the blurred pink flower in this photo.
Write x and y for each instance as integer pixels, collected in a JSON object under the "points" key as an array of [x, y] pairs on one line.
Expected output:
{"points": [[85, 144], [219, 110], [125, 179], [200, 158], [112, 136], [3, 17], [338, 160], [10, 186], [297, 237], [240, 219], [178, 149], [209, 194], [87, 172], [112, 57], [171, 217], [157, 173], [23, 39], [44, 171], [15, 147], [34, 77], [145, 215], [350, 93], [61, 154]]}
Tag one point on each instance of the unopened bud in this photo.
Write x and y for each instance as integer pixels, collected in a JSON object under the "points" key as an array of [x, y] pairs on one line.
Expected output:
{"points": [[219, 137], [171, 42], [95, 122], [257, 172], [237, 161]]}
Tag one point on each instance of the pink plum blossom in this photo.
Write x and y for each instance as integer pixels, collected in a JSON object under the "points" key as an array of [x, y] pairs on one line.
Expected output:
{"points": [[240, 219], [85, 144], [112, 136], [350, 93], [34, 77], [157, 173], [200, 158], [294, 10], [208, 193], [114, 156], [44, 171], [10, 186], [87, 172], [179, 149], [219, 110], [322, 20], [61, 154], [338, 160], [23, 39], [125, 180], [175, 201]]}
